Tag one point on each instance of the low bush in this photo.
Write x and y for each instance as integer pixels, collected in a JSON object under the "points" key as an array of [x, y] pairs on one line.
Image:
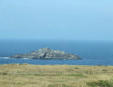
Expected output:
{"points": [[101, 83]]}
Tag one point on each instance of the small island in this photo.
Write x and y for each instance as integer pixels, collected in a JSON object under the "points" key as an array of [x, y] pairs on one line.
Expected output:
{"points": [[47, 53]]}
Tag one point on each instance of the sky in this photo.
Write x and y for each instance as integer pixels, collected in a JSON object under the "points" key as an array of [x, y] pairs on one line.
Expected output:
{"points": [[56, 19]]}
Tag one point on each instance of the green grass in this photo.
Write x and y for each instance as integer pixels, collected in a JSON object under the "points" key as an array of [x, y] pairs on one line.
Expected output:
{"points": [[77, 75], [101, 83], [25, 75], [58, 85]]}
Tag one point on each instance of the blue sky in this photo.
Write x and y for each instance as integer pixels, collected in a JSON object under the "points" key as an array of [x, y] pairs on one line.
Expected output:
{"points": [[56, 19]]}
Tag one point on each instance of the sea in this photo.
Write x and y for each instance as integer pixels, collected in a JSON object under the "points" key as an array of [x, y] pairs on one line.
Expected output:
{"points": [[90, 52]]}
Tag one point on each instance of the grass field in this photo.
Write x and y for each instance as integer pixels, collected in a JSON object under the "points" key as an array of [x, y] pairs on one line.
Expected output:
{"points": [[25, 75]]}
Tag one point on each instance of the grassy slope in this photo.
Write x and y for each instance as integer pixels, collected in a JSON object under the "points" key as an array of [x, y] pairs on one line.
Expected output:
{"points": [[24, 75]]}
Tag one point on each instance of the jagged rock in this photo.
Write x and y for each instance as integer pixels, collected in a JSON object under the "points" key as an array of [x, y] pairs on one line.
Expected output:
{"points": [[47, 53]]}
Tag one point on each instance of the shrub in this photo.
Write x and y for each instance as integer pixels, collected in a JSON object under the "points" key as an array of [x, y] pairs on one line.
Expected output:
{"points": [[101, 83], [3, 73]]}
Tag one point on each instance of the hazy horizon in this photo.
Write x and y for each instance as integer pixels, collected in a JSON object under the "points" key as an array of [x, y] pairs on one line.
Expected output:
{"points": [[56, 19]]}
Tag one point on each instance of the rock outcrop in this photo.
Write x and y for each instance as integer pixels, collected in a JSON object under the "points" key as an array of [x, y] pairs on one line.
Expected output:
{"points": [[47, 53]]}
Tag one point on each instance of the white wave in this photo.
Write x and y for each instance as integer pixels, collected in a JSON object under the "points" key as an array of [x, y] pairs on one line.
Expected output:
{"points": [[5, 57], [25, 58]]}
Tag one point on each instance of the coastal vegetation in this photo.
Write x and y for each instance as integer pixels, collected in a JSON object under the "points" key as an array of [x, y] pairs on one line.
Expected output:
{"points": [[26, 75]]}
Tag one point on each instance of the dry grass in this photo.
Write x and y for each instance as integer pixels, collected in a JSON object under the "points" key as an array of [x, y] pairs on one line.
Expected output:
{"points": [[25, 75]]}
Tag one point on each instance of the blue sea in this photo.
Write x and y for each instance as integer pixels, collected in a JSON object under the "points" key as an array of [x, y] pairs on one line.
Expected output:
{"points": [[91, 52]]}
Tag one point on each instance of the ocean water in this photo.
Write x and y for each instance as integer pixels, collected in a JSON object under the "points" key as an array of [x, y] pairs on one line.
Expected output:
{"points": [[91, 52]]}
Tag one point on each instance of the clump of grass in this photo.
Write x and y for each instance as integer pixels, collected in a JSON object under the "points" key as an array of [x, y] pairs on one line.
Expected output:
{"points": [[105, 70], [3, 73], [77, 75], [58, 85], [101, 83], [76, 68]]}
